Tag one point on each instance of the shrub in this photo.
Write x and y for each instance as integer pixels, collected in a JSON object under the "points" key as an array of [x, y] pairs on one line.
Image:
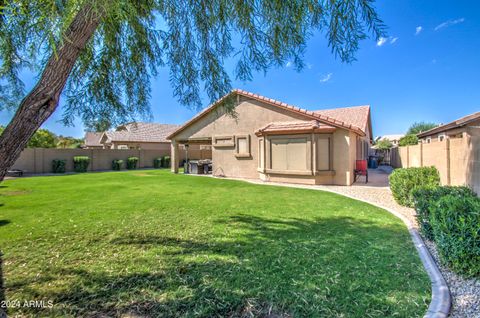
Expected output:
{"points": [[157, 163], [404, 180], [456, 226], [117, 164], [166, 161], [408, 140], [80, 163], [132, 163], [58, 165], [425, 197]]}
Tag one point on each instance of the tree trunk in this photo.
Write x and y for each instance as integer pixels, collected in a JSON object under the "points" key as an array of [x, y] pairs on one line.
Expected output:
{"points": [[42, 101]]}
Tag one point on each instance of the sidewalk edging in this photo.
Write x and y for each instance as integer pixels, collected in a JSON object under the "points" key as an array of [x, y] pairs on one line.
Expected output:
{"points": [[441, 302]]}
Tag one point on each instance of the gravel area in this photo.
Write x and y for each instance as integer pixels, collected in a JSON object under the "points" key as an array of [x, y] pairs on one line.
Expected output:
{"points": [[465, 292]]}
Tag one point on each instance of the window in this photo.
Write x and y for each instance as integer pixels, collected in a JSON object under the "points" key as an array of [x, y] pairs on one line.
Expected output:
{"points": [[441, 137], [323, 153], [261, 156], [242, 146], [288, 154], [122, 147], [428, 140], [223, 141], [205, 147]]}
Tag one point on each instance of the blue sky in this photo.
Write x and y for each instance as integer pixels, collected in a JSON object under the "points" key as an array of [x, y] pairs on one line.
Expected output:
{"points": [[426, 69]]}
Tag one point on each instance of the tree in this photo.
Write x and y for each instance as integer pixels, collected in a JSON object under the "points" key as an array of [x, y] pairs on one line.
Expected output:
{"points": [[43, 138], [101, 54], [68, 142], [408, 140], [419, 127], [384, 144]]}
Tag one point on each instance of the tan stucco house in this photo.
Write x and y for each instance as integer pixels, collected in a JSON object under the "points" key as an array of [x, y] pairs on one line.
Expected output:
{"points": [[459, 128], [272, 141]]}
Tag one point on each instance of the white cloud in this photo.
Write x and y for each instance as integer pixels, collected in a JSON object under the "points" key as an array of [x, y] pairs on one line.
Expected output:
{"points": [[381, 41], [289, 64], [448, 23], [390, 40], [418, 29], [326, 78]]}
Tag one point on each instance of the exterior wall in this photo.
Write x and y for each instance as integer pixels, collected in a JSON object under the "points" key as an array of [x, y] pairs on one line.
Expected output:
{"points": [[39, 160], [142, 145], [251, 115], [457, 159]]}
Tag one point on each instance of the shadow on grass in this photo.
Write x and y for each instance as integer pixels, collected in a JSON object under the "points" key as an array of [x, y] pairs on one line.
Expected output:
{"points": [[4, 222], [263, 267]]}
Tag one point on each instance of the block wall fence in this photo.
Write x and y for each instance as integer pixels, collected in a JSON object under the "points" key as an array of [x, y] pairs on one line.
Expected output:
{"points": [[457, 159], [39, 160]]}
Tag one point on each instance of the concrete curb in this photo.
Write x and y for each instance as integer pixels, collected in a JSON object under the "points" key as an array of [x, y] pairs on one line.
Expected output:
{"points": [[441, 302]]}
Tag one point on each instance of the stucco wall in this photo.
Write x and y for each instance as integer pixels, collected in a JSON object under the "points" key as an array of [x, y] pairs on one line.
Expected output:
{"points": [[251, 115], [456, 159]]}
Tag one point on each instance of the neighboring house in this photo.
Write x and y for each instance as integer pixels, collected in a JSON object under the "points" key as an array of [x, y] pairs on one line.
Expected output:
{"points": [[135, 135], [92, 140], [456, 129], [394, 139], [273, 141]]}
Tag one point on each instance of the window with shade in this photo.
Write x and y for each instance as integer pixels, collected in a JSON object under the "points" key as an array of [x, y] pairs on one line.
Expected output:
{"points": [[242, 144], [289, 154]]}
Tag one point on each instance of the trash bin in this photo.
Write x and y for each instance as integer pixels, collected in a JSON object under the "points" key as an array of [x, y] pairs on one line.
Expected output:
{"points": [[373, 162]]}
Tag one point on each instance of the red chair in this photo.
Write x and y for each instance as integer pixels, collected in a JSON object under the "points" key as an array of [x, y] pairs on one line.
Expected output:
{"points": [[361, 170]]}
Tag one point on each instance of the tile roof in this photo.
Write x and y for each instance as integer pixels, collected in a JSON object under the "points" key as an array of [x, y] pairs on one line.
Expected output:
{"points": [[294, 126], [92, 139], [141, 132], [454, 124], [344, 122], [356, 115]]}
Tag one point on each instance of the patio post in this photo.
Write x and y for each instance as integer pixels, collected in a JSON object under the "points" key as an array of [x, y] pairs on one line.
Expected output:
{"points": [[174, 156]]}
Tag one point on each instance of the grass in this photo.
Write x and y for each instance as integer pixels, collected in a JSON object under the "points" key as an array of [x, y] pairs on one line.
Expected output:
{"points": [[156, 244]]}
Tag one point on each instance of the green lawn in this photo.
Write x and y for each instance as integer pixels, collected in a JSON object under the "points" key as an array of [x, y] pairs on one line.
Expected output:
{"points": [[156, 244]]}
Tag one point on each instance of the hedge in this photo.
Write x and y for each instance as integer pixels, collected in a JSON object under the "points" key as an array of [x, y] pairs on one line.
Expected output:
{"points": [[157, 163], [404, 180], [455, 222], [80, 163], [166, 161], [58, 165], [425, 197], [117, 164], [132, 163]]}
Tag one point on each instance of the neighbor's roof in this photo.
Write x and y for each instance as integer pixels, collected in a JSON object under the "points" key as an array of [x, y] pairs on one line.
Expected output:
{"points": [[454, 124], [293, 126], [141, 132], [346, 117], [92, 139], [391, 137]]}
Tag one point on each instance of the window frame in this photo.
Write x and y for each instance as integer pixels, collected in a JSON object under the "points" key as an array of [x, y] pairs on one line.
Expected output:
{"points": [[247, 154]]}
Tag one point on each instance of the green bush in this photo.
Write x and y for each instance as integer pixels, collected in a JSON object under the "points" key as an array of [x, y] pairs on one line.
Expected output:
{"points": [[456, 226], [408, 140], [404, 180], [80, 163], [157, 163], [166, 161], [132, 163], [117, 164], [425, 197], [58, 165]]}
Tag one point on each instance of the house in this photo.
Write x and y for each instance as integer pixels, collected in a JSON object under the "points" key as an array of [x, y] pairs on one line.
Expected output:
{"points": [[136, 135], [272, 141], [456, 129], [92, 140], [394, 139]]}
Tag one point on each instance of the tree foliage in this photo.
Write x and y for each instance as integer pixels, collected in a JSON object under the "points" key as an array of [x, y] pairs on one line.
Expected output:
{"points": [[43, 138], [192, 39], [384, 144], [408, 140], [419, 127]]}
